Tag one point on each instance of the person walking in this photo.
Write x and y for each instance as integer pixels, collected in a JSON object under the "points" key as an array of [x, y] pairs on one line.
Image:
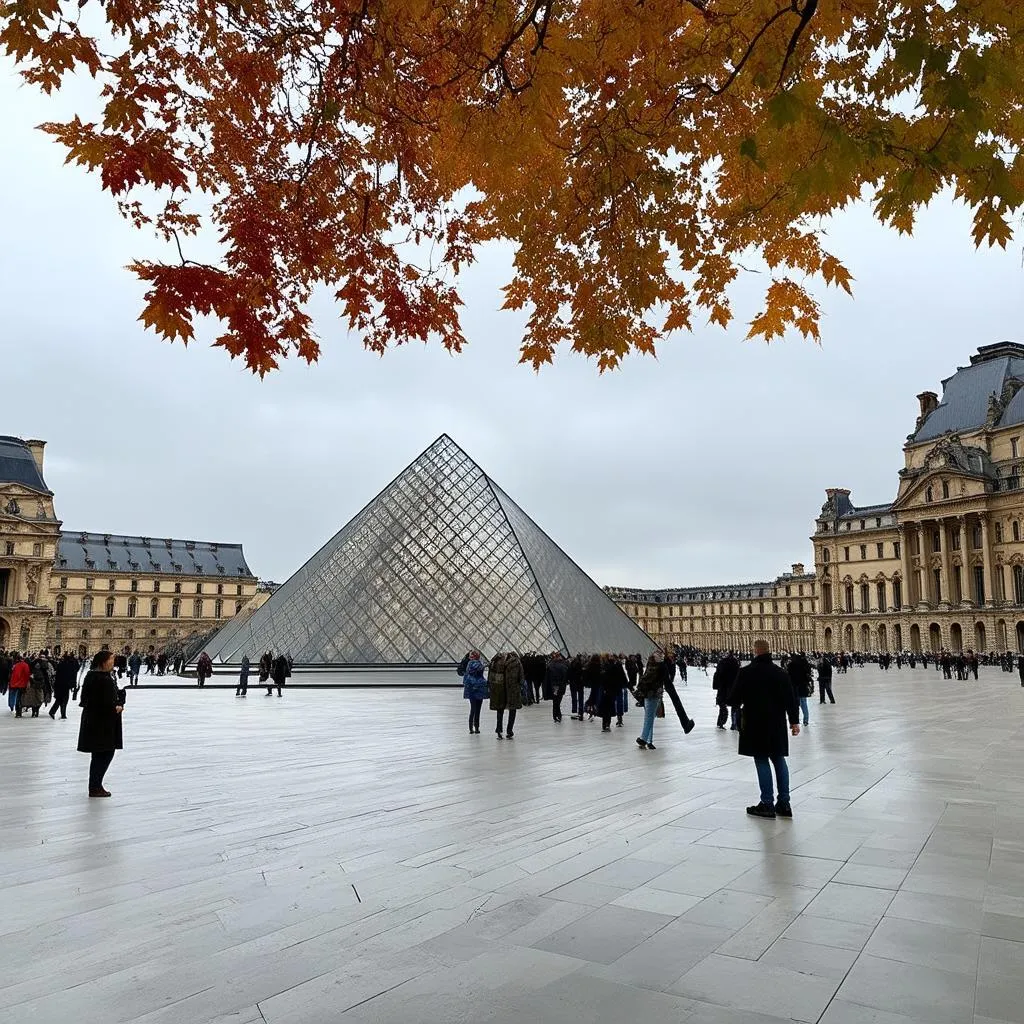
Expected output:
{"points": [[474, 689], [204, 668], [765, 698], [33, 696], [722, 682], [575, 678], [613, 683], [243, 678], [505, 683], [99, 732], [825, 679], [63, 684], [802, 678], [20, 675], [279, 673], [668, 673], [649, 688], [556, 678], [134, 666]]}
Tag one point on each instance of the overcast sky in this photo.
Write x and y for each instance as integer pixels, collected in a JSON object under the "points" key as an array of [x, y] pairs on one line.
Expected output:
{"points": [[706, 465]]}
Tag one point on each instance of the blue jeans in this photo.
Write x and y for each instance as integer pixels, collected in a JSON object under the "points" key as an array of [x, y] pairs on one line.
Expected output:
{"points": [[803, 708], [650, 713], [764, 778], [12, 699]]}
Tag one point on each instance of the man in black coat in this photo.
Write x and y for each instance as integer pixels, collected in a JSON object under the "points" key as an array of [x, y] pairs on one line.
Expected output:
{"points": [[825, 679], [799, 669], [556, 677], [722, 683], [64, 683], [765, 697]]}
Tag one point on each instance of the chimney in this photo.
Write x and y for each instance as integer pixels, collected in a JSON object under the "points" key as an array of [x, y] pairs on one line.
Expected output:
{"points": [[929, 402], [798, 568], [36, 448]]}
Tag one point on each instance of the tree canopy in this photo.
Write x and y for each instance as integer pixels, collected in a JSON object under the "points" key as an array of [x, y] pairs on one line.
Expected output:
{"points": [[636, 154]]}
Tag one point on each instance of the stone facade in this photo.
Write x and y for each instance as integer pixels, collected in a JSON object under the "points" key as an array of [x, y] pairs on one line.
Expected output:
{"points": [[782, 611], [941, 566], [90, 590]]}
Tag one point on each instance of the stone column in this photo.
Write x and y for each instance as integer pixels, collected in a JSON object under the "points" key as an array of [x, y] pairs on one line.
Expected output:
{"points": [[947, 566], [904, 536], [986, 555]]}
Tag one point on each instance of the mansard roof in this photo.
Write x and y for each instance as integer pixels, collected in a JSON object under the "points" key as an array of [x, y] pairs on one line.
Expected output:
{"points": [[987, 392], [17, 465], [111, 552]]}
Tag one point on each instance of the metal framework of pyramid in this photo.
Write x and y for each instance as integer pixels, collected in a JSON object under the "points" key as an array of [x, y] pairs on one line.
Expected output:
{"points": [[440, 562]]}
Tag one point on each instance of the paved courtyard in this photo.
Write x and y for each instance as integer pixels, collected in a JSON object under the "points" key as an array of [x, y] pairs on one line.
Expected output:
{"points": [[356, 856]]}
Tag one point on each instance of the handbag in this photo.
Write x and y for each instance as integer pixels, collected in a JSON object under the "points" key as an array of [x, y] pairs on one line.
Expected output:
{"points": [[661, 709]]}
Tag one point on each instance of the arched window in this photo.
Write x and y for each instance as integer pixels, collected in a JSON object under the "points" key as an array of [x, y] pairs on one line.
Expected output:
{"points": [[60, 606], [1018, 584], [826, 598], [1016, 530], [133, 607], [865, 598], [897, 596], [154, 608], [175, 608], [849, 598], [110, 608], [218, 609], [880, 590], [928, 494], [826, 555], [945, 488], [86, 607]]}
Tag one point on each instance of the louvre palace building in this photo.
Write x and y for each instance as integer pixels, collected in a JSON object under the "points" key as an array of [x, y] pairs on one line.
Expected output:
{"points": [[939, 566], [86, 590]]}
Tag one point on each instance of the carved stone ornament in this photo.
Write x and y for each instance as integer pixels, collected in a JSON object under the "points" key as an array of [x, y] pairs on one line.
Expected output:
{"points": [[13, 508]]}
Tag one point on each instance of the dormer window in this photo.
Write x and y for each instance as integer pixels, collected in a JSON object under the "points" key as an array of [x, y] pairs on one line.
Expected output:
{"points": [[1014, 444], [928, 495], [945, 488]]}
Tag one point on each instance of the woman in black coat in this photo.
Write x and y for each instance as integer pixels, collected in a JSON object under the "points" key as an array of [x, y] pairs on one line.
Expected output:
{"points": [[63, 684], [100, 731]]}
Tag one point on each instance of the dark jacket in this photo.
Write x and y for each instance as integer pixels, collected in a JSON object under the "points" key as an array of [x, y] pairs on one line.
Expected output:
{"points": [[650, 682], [724, 678], [67, 674], [100, 729], [281, 671], [765, 694], [825, 671], [800, 676], [556, 675]]}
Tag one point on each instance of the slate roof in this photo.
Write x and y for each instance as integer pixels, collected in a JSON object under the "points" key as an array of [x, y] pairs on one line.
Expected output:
{"points": [[17, 465], [105, 552], [864, 511], [965, 395]]}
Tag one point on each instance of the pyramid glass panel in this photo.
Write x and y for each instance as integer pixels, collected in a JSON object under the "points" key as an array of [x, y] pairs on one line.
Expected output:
{"points": [[441, 561]]}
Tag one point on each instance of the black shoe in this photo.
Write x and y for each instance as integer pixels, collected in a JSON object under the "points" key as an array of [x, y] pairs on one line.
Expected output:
{"points": [[688, 728], [606, 728], [499, 734], [510, 735], [783, 810], [642, 744], [53, 715], [651, 746], [761, 811], [734, 728], [722, 727]]}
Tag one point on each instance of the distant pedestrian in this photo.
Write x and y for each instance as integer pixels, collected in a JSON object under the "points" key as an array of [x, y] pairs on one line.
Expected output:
{"points": [[474, 689], [279, 673], [722, 683], [556, 678], [825, 680], [134, 665], [204, 668], [243, 677], [650, 689], [802, 678], [20, 675], [764, 695], [63, 684], [99, 733]]}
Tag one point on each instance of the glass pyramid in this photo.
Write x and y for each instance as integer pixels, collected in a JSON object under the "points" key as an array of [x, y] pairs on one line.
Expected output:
{"points": [[440, 562]]}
